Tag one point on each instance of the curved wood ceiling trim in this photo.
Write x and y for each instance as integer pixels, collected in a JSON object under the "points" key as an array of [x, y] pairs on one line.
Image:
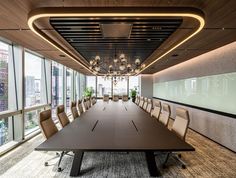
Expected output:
{"points": [[92, 12]]}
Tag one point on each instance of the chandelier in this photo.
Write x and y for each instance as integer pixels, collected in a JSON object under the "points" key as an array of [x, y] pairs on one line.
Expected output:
{"points": [[117, 67]]}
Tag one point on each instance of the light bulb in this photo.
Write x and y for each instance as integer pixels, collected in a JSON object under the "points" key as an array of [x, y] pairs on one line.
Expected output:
{"points": [[122, 67], [122, 56], [91, 62], [136, 70], [128, 65], [137, 61], [97, 68], [97, 58], [143, 65], [115, 60]]}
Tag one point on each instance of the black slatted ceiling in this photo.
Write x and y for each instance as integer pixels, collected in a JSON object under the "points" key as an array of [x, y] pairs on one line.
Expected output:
{"points": [[85, 35]]}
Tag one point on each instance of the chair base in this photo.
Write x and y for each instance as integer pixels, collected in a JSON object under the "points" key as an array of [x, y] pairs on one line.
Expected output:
{"points": [[177, 157]]}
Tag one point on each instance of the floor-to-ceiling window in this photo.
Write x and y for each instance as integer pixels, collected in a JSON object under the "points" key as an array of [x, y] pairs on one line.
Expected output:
{"points": [[91, 83], [134, 83], [57, 86], [35, 90], [103, 86], [69, 90], [120, 85]]}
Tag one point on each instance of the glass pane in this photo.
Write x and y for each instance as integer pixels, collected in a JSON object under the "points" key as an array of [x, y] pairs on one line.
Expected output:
{"points": [[57, 86], [4, 76], [68, 88], [119, 86], [82, 85], [31, 121], [5, 131], [33, 80], [77, 92], [103, 86], [91, 82], [134, 83]]}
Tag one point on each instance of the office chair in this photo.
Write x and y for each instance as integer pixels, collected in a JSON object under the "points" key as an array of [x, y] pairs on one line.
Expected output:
{"points": [[156, 110], [80, 107], [125, 98], [180, 127], [115, 97], [145, 103], [63, 119], [88, 102], [48, 128], [149, 105], [165, 114], [84, 104], [106, 98], [141, 102], [74, 110], [93, 100], [136, 100]]}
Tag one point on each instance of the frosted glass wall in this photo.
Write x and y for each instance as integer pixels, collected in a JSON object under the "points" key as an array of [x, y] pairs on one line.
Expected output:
{"points": [[216, 92]]}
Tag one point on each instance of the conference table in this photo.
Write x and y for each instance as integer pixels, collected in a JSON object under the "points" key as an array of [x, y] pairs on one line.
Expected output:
{"points": [[115, 127]]}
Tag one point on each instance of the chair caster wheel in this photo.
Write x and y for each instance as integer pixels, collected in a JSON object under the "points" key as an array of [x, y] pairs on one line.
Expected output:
{"points": [[183, 167], [59, 169], [46, 164], [164, 166], [58, 154], [179, 155]]}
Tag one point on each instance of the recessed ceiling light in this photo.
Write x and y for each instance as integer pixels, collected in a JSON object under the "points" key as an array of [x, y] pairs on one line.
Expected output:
{"points": [[175, 55], [62, 55], [149, 39]]}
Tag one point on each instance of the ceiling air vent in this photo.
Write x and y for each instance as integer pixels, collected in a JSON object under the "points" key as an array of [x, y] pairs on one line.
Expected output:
{"points": [[116, 30]]}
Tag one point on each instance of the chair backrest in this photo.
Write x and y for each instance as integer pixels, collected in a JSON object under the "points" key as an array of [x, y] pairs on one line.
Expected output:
{"points": [[88, 102], [156, 110], [115, 97], [181, 122], [145, 103], [74, 110], [141, 101], [125, 97], [93, 100], [137, 100], [63, 119], [80, 107], [46, 124], [149, 105], [105, 97], [84, 104], [165, 114]]}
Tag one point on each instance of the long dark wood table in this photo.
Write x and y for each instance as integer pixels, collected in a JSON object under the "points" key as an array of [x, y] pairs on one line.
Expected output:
{"points": [[115, 126]]}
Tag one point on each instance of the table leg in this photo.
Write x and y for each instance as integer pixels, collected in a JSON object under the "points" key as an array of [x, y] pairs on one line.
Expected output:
{"points": [[77, 162], [151, 163]]}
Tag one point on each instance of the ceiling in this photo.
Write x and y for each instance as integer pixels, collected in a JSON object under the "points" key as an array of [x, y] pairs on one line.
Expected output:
{"points": [[219, 30]]}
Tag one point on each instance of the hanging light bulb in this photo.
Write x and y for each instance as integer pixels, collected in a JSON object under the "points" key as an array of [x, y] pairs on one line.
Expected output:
{"points": [[97, 68], [115, 60], [91, 62], [122, 56], [128, 65], [122, 67], [97, 58], [137, 61], [143, 65], [137, 70]]}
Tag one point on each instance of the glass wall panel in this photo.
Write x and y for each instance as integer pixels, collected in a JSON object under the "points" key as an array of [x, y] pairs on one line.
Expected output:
{"points": [[120, 86], [103, 86], [77, 92], [34, 91], [82, 84], [134, 83], [91, 83], [69, 91], [57, 86], [7, 84], [5, 130], [31, 121]]}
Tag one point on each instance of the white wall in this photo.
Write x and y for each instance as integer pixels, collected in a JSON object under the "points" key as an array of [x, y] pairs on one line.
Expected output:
{"points": [[146, 86], [219, 128]]}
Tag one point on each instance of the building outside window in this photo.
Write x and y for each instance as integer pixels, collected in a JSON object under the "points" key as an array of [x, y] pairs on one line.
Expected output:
{"points": [[103, 86], [120, 86]]}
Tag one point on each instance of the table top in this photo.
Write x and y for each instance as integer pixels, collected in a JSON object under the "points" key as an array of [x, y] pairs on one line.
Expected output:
{"points": [[115, 126]]}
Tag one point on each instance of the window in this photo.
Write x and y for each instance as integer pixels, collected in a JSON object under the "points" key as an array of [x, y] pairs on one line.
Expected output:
{"points": [[91, 83], [120, 86], [34, 92], [103, 86], [57, 86], [82, 85], [5, 130], [31, 121], [69, 91], [134, 83]]}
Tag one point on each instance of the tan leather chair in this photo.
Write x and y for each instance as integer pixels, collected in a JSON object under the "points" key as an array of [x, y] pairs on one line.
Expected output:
{"points": [[88, 102], [93, 100], [156, 110], [115, 98], [149, 105], [125, 98], [180, 127], [63, 119], [74, 110], [165, 114], [48, 129], [105, 97], [141, 102], [84, 104], [137, 100], [145, 103], [80, 107]]}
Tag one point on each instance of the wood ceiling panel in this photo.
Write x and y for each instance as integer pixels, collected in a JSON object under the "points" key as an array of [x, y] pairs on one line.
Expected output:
{"points": [[218, 14]]}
